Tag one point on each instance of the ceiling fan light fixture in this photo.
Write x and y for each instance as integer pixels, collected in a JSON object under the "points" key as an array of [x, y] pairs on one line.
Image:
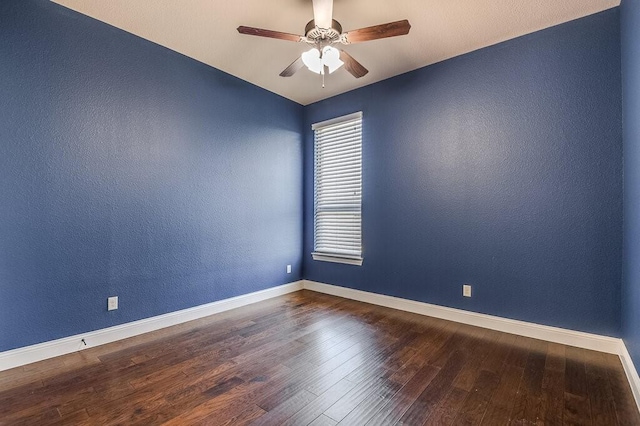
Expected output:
{"points": [[316, 61], [331, 58], [311, 58]]}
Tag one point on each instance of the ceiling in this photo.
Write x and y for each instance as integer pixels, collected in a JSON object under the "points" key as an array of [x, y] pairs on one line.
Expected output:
{"points": [[206, 31]]}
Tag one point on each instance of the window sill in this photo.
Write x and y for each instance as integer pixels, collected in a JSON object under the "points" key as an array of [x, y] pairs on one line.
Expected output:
{"points": [[347, 260]]}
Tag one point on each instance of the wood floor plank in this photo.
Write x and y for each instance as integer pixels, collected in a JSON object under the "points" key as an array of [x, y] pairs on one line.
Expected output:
{"points": [[429, 350], [448, 409], [365, 410], [577, 407], [519, 352], [245, 417], [288, 408], [323, 421], [400, 402], [377, 350], [626, 409], [79, 418], [16, 378], [380, 358], [355, 360], [528, 399], [504, 397], [310, 358], [314, 409], [42, 417], [552, 400], [495, 360], [362, 391], [577, 410], [459, 342], [318, 380], [556, 357], [475, 405], [14, 411], [603, 410], [479, 348], [232, 404], [217, 394], [575, 372], [426, 403]]}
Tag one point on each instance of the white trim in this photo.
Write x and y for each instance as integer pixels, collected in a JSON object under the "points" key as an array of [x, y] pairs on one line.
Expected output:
{"points": [[336, 120], [544, 332], [53, 348], [337, 259], [631, 372]]}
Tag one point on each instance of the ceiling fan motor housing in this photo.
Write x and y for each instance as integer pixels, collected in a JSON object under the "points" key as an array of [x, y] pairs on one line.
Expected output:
{"points": [[323, 35]]}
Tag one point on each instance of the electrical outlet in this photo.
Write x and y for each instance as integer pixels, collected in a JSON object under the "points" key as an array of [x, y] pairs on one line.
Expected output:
{"points": [[112, 303], [288, 269], [466, 290]]}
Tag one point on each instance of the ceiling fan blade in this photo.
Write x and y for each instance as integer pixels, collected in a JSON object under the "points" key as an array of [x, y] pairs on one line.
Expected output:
{"points": [[391, 29], [293, 68], [354, 67], [323, 13], [268, 33]]}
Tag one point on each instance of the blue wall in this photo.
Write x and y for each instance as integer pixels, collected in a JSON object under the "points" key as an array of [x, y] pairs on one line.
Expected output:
{"points": [[630, 18], [500, 168], [127, 169]]}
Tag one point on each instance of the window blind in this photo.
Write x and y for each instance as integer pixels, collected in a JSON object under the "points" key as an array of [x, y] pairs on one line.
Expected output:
{"points": [[338, 188]]}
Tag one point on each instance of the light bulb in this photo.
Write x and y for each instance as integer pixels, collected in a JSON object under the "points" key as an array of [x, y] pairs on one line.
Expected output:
{"points": [[331, 58], [311, 58]]}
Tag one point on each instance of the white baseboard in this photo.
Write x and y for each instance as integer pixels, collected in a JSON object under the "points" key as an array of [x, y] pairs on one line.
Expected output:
{"points": [[631, 372], [552, 334], [578, 339], [41, 351]]}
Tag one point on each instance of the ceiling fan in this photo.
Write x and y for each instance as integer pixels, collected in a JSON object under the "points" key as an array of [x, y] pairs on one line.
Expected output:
{"points": [[322, 33]]}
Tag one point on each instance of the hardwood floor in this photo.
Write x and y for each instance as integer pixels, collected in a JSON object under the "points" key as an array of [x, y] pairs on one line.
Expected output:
{"points": [[313, 359]]}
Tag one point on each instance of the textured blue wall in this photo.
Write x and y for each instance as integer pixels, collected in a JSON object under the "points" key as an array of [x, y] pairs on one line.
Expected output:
{"points": [[501, 168], [630, 18], [127, 169]]}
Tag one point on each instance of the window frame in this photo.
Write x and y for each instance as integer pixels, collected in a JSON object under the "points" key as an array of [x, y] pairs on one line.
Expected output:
{"points": [[328, 256]]}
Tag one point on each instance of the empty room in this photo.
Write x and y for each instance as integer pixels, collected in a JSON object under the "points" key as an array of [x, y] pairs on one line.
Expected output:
{"points": [[320, 212]]}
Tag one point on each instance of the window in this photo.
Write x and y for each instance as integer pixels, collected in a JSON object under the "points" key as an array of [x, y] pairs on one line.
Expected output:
{"points": [[337, 235]]}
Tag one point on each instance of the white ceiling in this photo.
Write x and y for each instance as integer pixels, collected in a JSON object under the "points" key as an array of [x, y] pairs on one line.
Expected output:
{"points": [[206, 31]]}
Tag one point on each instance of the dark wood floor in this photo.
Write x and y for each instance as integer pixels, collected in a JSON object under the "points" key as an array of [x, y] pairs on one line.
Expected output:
{"points": [[313, 359]]}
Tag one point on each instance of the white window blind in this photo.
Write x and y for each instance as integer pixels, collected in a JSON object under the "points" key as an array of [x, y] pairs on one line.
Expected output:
{"points": [[338, 189]]}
